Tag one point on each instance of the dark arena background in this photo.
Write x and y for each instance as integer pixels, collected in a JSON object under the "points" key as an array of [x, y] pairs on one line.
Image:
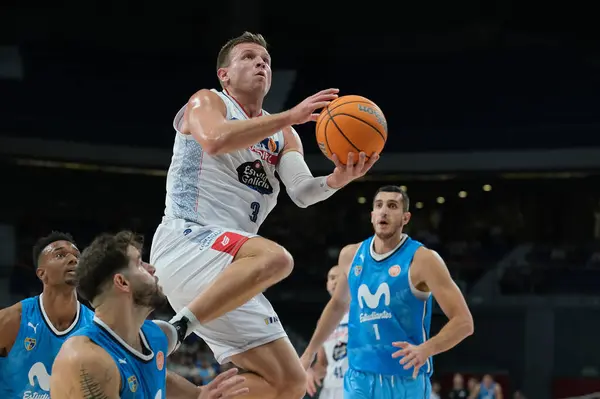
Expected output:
{"points": [[493, 130]]}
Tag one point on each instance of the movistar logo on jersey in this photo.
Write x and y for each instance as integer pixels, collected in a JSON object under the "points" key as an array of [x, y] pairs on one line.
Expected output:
{"points": [[39, 374], [373, 300]]}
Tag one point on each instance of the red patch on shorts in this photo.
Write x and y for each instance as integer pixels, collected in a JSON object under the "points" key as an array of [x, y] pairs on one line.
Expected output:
{"points": [[229, 243]]}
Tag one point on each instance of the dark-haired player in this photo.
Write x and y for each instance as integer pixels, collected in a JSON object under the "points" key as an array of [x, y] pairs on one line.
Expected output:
{"points": [[390, 282], [33, 330], [121, 354]]}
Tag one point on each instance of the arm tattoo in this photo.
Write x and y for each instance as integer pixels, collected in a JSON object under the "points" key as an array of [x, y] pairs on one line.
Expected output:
{"points": [[90, 388]]}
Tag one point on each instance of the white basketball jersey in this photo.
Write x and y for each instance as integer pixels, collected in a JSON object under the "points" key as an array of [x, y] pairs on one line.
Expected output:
{"points": [[337, 357], [235, 190]]}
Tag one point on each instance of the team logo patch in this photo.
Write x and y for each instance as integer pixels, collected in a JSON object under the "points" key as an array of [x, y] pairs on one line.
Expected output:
{"points": [[253, 175], [339, 351], [29, 343], [133, 383], [270, 144], [357, 270], [268, 150], [160, 360], [394, 271]]}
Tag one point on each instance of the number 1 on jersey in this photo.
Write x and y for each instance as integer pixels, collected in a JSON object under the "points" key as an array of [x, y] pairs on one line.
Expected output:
{"points": [[255, 206], [376, 328]]}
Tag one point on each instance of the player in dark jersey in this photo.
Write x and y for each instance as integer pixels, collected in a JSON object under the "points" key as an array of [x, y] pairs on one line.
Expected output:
{"points": [[33, 330], [121, 354]]}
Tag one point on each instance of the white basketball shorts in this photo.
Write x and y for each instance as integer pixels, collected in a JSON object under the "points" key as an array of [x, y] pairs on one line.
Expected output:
{"points": [[188, 257], [332, 393]]}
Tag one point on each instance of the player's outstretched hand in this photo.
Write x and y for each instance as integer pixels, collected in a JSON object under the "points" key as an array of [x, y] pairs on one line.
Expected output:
{"points": [[225, 386], [313, 380], [305, 111], [344, 174], [412, 356]]}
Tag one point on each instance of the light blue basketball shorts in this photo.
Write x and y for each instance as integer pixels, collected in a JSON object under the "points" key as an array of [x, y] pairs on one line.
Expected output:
{"points": [[361, 385]]}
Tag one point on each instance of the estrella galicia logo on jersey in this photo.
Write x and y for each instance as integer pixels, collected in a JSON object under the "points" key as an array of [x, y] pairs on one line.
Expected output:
{"points": [[339, 351], [373, 300], [29, 343], [253, 175], [133, 383]]}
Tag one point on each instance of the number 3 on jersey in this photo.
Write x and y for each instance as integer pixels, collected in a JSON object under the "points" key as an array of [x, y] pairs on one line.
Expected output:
{"points": [[255, 207]]}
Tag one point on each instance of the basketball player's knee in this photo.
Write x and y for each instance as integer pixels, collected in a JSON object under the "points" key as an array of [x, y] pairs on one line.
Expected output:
{"points": [[293, 384], [276, 265]]}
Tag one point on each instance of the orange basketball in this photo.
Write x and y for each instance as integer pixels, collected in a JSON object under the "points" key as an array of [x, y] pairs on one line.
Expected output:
{"points": [[351, 124]]}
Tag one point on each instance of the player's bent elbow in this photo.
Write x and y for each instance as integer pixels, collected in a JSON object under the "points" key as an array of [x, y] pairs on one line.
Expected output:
{"points": [[298, 202], [212, 141], [468, 326], [210, 146]]}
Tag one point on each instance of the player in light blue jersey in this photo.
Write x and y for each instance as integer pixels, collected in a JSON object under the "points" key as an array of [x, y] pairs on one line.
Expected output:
{"points": [[121, 354], [391, 280], [487, 389], [33, 330]]}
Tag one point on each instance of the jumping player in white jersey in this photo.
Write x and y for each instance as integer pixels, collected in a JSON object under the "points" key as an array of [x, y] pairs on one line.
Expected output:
{"points": [[221, 186], [332, 358]]}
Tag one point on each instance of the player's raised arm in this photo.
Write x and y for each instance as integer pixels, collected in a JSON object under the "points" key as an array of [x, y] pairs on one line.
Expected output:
{"points": [[303, 188], [83, 370], [335, 310], [429, 270], [10, 322], [206, 121]]}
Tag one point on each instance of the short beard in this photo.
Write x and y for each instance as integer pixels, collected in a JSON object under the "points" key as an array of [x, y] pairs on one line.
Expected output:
{"points": [[153, 299]]}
